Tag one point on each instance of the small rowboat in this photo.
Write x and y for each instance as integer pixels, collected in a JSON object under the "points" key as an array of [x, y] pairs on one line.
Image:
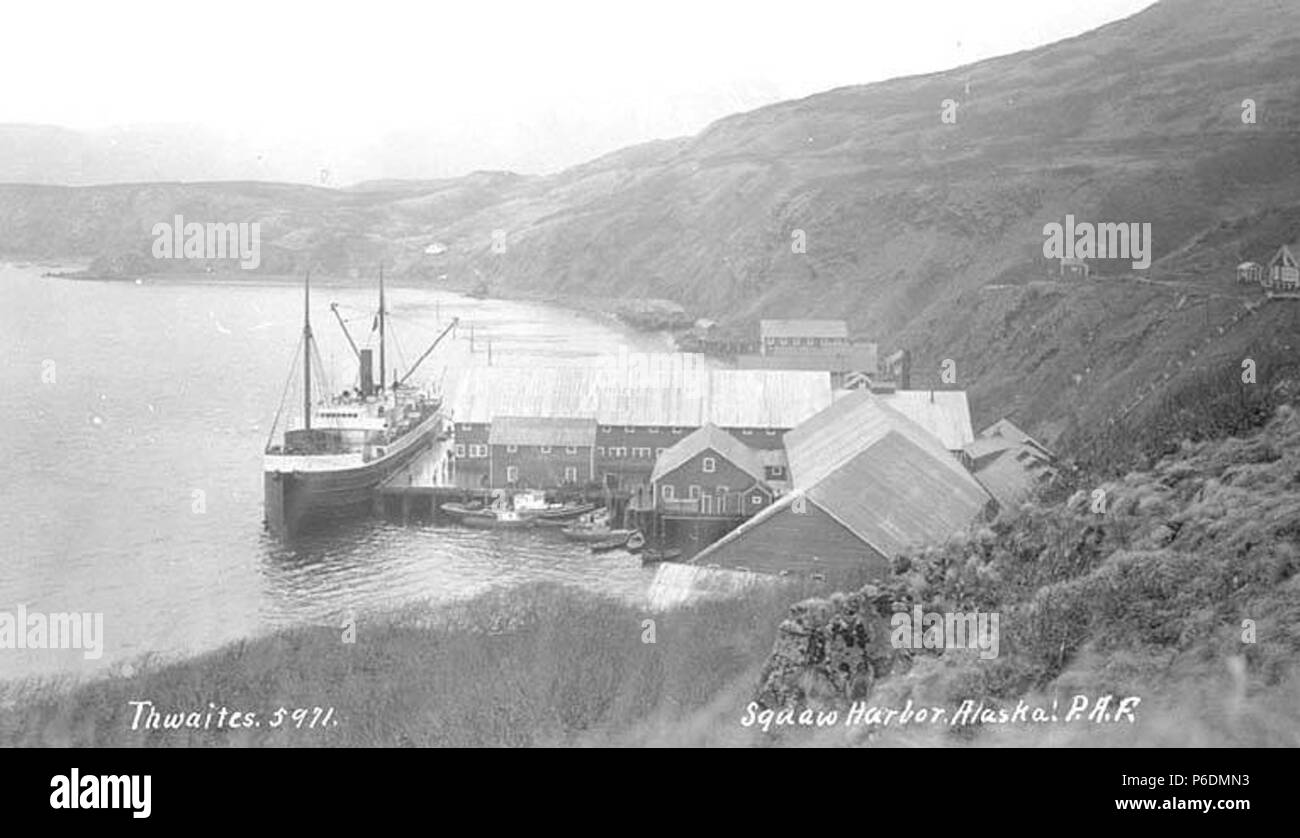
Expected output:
{"points": [[633, 542], [594, 535], [610, 544], [653, 556]]}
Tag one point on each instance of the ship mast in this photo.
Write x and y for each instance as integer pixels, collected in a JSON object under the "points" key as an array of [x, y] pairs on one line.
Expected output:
{"points": [[383, 370], [306, 354]]}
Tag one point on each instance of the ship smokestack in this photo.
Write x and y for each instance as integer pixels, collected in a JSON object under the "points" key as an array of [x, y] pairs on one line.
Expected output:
{"points": [[367, 372]]}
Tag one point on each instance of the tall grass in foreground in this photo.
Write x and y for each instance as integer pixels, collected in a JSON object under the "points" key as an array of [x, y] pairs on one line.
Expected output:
{"points": [[535, 665]]}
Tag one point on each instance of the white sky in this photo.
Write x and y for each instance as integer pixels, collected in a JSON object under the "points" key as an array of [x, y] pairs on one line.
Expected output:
{"points": [[532, 86]]}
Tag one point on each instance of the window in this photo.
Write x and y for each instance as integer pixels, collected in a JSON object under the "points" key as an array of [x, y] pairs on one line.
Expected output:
{"points": [[604, 429], [693, 492], [570, 474], [618, 451], [755, 499], [722, 490], [460, 450], [600, 450], [570, 449], [775, 472], [654, 429], [668, 491], [710, 465], [771, 432], [641, 453], [512, 474], [628, 429], [676, 430], [478, 450], [512, 449], [747, 431], [546, 449]]}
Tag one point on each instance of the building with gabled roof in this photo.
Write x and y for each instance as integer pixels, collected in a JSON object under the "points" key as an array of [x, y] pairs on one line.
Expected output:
{"points": [[710, 473], [868, 483], [1009, 463], [1005, 429], [642, 404], [1284, 269]]}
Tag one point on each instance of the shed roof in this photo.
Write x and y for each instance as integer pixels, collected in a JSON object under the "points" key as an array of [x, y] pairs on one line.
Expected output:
{"points": [[895, 495], [944, 413], [803, 329], [1004, 428], [533, 430], [1010, 477], [881, 475], [705, 438]]}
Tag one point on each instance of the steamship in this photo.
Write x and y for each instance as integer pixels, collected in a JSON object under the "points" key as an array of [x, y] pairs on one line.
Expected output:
{"points": [[345, 445]]}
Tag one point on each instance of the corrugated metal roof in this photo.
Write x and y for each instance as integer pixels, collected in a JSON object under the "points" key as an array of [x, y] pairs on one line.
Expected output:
{"points": [[803, 329], [677, 584], [666, 389], [944, 413], [648, 390], [766, 398], [882, 475], [485, 392], [858, 419], [532, 430], [896, 495], [709, 437]]}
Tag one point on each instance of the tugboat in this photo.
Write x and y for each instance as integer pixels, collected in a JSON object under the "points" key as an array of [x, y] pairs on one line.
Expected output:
{"points": [[327, 467]]}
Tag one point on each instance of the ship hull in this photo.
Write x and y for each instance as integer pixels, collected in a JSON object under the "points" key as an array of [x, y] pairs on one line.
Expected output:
{"points": [[296, 501]]}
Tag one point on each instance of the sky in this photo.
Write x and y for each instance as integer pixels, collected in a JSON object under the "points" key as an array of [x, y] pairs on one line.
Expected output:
{"points": [[429, 89]]}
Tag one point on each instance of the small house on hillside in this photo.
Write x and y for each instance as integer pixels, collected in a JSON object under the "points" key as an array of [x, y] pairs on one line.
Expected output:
{"points": [[1284, 270], [868, 484], [1250, 273], [710, 473], [1074, 268]]}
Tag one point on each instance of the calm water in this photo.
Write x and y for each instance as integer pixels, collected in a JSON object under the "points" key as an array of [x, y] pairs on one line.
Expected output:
{"points": [[167, 389]]}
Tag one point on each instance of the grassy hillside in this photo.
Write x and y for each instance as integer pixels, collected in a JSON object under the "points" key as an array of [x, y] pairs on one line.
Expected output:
{"points": [[923, 233]]}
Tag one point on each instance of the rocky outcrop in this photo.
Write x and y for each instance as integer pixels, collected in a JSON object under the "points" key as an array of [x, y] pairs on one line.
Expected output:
{"points": [[829, 651]]}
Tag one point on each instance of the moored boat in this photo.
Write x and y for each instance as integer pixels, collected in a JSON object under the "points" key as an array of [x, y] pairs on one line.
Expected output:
{"points": [[654, 556], [329, 467]]}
